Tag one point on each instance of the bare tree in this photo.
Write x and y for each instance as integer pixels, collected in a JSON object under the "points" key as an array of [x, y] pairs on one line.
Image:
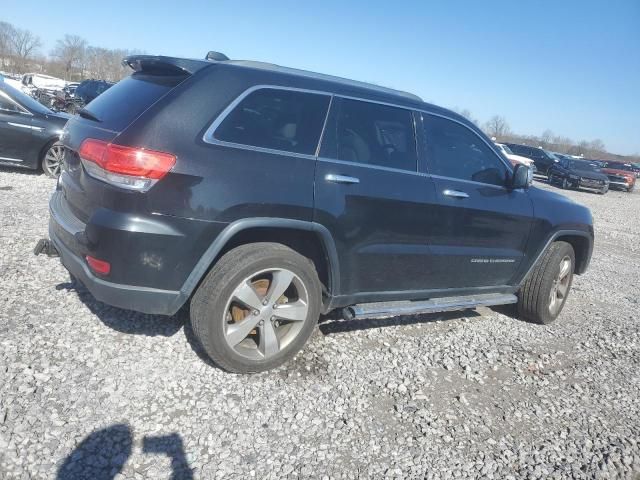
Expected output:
{"points": [[7, 32], [70, 50], [546, 138], [497, 127], [25, 45]]}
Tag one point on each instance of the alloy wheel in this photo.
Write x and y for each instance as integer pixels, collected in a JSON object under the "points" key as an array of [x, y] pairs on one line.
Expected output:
{"points": [[52, 162], [265, 313], [560, 287]]}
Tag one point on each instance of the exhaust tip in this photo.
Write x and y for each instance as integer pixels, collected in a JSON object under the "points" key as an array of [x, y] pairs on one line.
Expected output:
{"points": [[348, 313]]}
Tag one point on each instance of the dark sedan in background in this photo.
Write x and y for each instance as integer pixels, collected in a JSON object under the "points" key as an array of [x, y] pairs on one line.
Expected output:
{"points": [[568, 173], [29, 132]]}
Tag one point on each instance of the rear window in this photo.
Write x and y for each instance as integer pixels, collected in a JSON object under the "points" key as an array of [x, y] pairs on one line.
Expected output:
{"points": [[121, 104]]}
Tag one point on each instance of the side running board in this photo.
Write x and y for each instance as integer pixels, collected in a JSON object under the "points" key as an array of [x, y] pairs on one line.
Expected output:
{"points": [[447, 304]]}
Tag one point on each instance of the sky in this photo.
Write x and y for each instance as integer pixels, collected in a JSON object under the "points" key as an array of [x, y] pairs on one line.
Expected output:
{"points": [[570, 66]]}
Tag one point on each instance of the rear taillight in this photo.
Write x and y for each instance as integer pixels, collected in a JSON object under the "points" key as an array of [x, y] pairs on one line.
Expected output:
{"points": [[98, 266], [127, 167]]}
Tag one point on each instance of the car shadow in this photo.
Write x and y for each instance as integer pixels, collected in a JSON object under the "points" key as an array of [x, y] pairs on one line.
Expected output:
{"points": [[127, 321], [333, 322], [103, 454]]}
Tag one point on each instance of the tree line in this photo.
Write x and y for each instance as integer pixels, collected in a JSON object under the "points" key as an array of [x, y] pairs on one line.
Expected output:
{"points": [[498, 128], [72, 58]]}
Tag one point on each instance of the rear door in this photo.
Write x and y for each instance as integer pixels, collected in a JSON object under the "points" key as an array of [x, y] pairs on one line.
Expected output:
{"points": [[370, 196], [480, 227]]}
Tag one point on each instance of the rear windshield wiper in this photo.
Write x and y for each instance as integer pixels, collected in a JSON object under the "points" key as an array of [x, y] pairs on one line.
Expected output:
{"points": [[84, 113]]}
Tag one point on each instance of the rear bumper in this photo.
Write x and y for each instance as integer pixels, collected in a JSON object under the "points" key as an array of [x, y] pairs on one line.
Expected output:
{"points": [[68, 235], [140, 299]]}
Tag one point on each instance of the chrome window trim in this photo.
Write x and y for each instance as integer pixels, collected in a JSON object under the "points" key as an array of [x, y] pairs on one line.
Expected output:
{"points": [[21, 109], [374, 167], [209, 134], [473, 182], [209, 137]]}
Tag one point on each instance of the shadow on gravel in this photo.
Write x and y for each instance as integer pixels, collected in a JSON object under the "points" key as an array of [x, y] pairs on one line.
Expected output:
{"points": [[127, 321], [333, 323], [103, 453]]}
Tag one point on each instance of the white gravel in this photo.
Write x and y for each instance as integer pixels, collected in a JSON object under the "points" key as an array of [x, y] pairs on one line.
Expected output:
{"points": [[90, 391]]}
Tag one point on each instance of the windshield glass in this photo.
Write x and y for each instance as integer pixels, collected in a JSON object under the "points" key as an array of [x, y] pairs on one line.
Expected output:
{"points": [[620, 166], [506, 149], [25, 100], [581, 165]]}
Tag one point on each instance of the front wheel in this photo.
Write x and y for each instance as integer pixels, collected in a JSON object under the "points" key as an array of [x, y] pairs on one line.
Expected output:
{"points": [[546, 289], [257, 307], [52, 160]]}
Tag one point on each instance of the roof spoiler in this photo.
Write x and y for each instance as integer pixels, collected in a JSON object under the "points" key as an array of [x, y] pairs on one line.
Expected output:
{"points": [[161, 65], [216, 56]]}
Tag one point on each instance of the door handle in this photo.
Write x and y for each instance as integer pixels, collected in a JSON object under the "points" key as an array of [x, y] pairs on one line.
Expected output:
{"points": [[334, 178], [455, 193]]}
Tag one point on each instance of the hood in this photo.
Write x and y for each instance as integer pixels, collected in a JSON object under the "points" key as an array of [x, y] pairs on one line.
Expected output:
{"points": [[589, 174], [624, 173], [520, 159]]}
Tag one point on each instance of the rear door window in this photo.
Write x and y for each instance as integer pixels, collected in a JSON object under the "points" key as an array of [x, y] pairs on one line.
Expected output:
{"points": [[276, 119], [371, 134], [121, 104]]}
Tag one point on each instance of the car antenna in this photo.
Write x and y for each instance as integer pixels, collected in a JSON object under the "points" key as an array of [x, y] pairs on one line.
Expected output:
{"points": [[216, 56]]}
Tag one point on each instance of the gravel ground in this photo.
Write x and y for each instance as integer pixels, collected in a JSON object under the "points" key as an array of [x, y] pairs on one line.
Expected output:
{"points": [[90, 391]]}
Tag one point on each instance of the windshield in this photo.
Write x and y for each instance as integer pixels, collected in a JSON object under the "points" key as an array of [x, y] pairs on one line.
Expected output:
{"points": [[25, 100], [506, 149], [620, 166], [581, 165]]}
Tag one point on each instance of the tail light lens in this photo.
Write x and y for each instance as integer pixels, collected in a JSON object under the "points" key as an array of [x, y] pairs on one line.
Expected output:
{"points": [[127, 167], [98, 266]]}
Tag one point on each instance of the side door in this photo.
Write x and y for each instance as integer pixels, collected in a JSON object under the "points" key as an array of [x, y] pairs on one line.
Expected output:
{"points": [[371, 197], [15, 130], [480, 227]]}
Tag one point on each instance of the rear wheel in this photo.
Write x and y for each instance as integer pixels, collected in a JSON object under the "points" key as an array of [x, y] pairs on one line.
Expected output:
{"points": [[257, 307], [52, 160], [545, 291]]}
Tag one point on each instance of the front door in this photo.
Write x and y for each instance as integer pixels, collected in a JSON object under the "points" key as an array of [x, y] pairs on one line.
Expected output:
{"points": [[480, 227]]}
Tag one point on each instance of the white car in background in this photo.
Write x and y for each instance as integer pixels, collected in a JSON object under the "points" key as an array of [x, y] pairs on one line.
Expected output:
{"points": [[515, 159]]}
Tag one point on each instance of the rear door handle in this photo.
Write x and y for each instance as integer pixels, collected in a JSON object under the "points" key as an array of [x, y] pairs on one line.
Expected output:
{"points": [[455, 193], [334, 178]]}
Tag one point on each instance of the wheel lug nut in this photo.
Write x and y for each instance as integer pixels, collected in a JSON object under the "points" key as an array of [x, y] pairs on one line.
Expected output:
{"points": [[273, 318], [265, 302], [256, 312], [261, 322]]}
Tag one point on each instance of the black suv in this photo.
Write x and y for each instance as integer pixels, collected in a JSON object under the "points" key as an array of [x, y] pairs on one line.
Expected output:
{"points": [[541, 157], [569, 173], [265, 196]]}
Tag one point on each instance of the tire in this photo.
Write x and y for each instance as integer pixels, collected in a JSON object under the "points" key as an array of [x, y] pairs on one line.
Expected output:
{"points": [[249, 272], [545, 282], [52, 159], [604, 190], [564, 184]]}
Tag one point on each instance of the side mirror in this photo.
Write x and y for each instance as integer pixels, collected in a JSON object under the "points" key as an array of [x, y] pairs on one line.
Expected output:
{"points": [[522, 177]]}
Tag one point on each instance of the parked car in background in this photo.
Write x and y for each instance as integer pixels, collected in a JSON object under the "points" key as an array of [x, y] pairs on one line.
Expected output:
{"points": [[569, 173], [29, 132], [621, 175], [88, 90], [38, 81], [542, 158], [293, 193], [516, 159]]}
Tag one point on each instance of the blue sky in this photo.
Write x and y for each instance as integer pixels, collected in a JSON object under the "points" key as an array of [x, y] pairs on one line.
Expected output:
{"points": [[569, 66]]}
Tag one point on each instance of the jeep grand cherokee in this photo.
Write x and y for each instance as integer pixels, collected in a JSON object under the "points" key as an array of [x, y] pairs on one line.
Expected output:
{"points": [[264, 196]]}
